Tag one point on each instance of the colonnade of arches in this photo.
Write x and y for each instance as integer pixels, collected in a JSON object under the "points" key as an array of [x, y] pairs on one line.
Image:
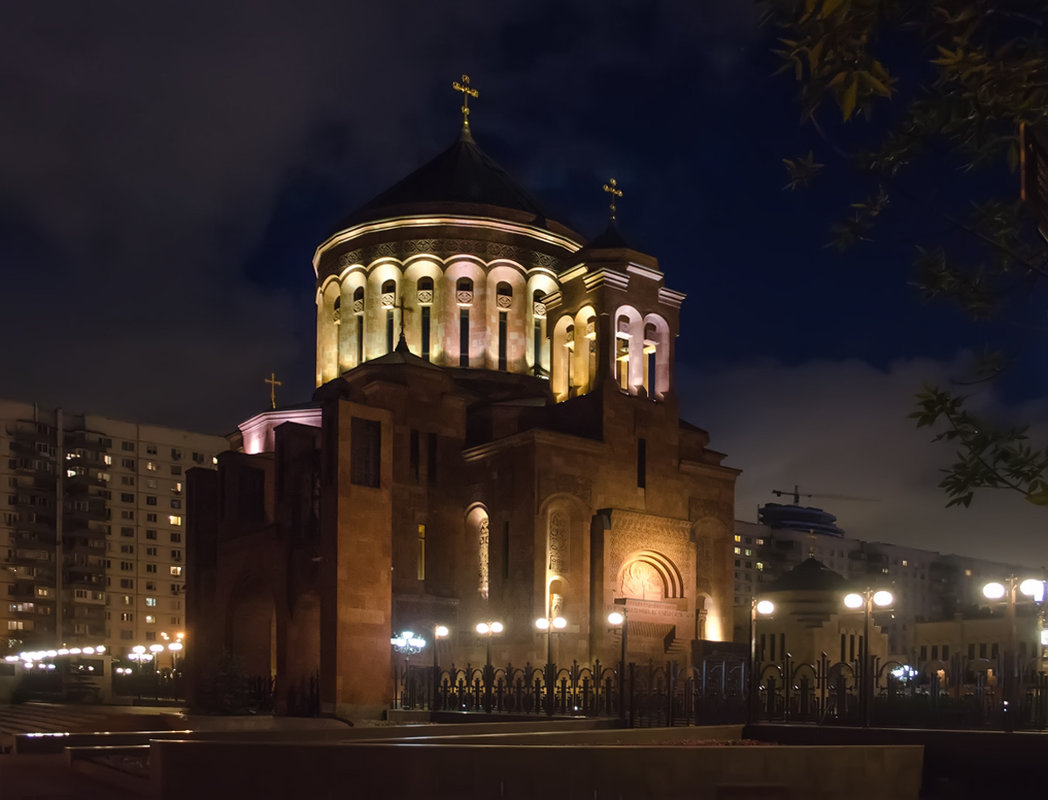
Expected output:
{"points": [[640, 358], [468, 313], [461, 312]]}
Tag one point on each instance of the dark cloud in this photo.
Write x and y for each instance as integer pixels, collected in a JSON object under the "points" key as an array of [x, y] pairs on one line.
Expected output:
{"points": [[840, 429], [166, 171]]}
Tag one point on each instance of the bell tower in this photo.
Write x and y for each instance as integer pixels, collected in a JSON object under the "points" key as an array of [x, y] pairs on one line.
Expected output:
{"points": [[613, 321]]}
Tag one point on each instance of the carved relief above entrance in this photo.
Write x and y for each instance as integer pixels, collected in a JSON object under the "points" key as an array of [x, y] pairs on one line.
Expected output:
{"points": [[649, 575], [641, 581]]}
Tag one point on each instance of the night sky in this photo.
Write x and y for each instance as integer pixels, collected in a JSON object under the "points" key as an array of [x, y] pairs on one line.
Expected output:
{"points": [[167, 170]]}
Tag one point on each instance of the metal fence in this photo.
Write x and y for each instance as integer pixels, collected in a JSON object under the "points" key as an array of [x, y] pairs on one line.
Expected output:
{"points": [[714, 691]]}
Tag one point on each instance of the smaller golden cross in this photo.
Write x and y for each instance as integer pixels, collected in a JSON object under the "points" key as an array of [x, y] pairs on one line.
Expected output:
{"points": [[467, 92], [403, 311], [273, 384], [612, 188]]}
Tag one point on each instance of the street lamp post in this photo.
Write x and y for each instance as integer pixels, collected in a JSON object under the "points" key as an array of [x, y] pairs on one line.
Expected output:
{"points": [[866, 600], [549, 625], [764, 608], [487, 630], [1034, 589], [439, 632], [618, 619]]}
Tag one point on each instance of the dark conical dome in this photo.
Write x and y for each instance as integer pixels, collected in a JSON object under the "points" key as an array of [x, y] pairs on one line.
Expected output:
{"points": [[611, 239], [462, 174], [811, 575]]}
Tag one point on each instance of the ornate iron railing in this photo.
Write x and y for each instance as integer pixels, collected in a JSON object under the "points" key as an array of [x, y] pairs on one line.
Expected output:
{"points": [[714, 691]]}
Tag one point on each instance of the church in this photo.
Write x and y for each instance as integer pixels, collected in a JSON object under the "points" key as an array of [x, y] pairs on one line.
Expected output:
{"points": [[494, 437]]}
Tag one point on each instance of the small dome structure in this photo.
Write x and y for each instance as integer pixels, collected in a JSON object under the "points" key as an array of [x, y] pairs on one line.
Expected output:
{"points": [[811, 575]]}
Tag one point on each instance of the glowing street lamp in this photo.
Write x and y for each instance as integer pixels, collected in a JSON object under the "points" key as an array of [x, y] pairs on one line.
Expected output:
{"points": [[764, 608], [1009, 591], [487, 630], [549, 625], [439, 632], [866, 600], [618, 619]]}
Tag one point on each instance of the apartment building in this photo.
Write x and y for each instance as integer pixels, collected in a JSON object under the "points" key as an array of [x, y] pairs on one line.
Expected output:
{"points": [[92, 528], [928, 585]]}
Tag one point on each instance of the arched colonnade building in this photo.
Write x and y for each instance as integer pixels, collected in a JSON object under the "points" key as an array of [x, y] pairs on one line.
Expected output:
{"points": [[495, 434]]}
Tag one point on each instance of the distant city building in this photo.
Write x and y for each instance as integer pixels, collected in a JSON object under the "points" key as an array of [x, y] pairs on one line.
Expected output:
{"points": [[927, 585], [92, 547]]}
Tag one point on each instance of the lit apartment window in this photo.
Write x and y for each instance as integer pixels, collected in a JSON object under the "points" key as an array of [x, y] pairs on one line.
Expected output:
{"points": [[150, 619], [175, 519], [151, 602], [151, 466], [176, 571], [738, 551], [738, 538]]}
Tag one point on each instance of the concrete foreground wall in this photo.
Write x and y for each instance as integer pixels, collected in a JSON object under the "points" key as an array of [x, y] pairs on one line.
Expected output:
{"points": [[220, 770]]}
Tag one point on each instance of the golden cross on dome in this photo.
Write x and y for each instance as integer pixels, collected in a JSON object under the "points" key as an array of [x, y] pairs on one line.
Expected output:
{"points": [[467, 92], [612, 188], [273, 384]]}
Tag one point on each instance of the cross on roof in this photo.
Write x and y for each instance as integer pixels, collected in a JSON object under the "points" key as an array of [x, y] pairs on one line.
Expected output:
{"points": [[273, 384], [612, 188], [467, 92], [403, 310]]}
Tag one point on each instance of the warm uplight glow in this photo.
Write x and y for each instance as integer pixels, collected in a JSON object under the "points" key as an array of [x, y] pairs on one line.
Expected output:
{"points": [[765, 607], [853, 600], [994, 590], [616, 618], [883, 598]]}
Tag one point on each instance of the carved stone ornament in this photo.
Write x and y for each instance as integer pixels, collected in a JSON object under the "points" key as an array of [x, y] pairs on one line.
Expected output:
{"points": [[445, 249], [539, 309], [336, 316], [483, 538], [425, 296], [358, 306], [464, 298], [504, 302], [591, 328], [389, 299]]}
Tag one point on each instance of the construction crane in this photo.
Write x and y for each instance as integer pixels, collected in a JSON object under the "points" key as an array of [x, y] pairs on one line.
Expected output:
{"points": [[797, 494]]}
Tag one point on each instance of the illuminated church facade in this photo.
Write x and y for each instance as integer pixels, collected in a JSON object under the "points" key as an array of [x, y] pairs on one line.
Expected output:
{"points": [[494, 436]]}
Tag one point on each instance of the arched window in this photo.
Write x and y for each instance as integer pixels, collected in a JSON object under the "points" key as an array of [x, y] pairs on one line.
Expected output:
{"points": [[337, 308], [358, 310], [389, 301], [504, 301], [464, 297], [591, 354], [650, 346], [622, 353], [538, 309], [424, 290]]}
